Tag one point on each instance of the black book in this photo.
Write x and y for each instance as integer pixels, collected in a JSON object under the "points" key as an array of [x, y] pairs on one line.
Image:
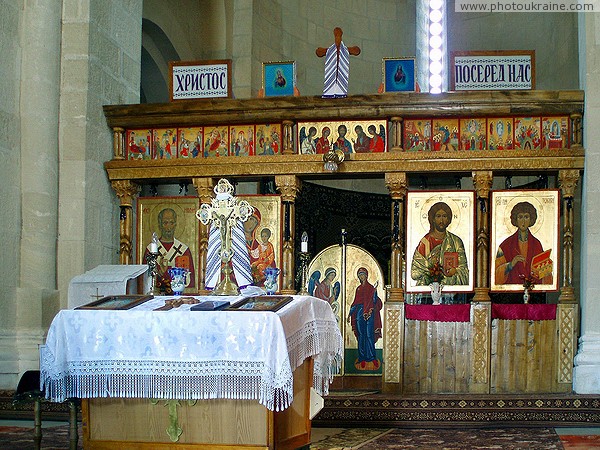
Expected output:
{"points": [[210, 305]]}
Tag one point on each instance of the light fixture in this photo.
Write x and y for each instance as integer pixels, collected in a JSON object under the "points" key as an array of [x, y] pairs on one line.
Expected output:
{"points": [[437, 45], [332, 159]]}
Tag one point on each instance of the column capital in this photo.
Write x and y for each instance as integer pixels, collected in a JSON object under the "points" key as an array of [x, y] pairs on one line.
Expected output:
{"points": [[397, 184], [289, 186], [126, 191], [567, 182], [482, 181], [204, 188]]}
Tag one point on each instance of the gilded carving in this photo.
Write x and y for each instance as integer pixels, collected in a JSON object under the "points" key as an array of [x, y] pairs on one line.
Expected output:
{"points": [[393, 343], [126, 191], [483, 183], [396, 137], [566, 331], [288, 186], [204, 187], [125, 249], [119, 143], [288, 137], [356, 163], [397, 184], [567, 182], [576, 124], [480, 343]]}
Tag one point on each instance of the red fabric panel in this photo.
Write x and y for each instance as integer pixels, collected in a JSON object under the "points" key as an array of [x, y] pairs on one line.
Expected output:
{"points": [[439, 313], [523, 312]]}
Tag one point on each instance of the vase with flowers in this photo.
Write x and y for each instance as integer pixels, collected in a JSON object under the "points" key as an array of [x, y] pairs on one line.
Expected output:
{"points": [[434, 278], [528, 285]]}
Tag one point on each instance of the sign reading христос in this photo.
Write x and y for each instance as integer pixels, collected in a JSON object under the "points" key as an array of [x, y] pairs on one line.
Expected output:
{"points": [[200, 79]]}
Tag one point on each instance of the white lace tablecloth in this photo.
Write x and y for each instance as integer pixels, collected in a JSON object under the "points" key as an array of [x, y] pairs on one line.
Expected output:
{"points": [[182, 354]]}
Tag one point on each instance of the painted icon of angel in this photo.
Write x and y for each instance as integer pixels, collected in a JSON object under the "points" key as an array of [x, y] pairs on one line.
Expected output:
{"points": [[327, 289]]}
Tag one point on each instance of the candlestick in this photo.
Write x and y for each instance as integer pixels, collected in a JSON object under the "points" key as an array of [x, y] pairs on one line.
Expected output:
{"points": [[304, 259], [153, 248], [151, 260]]}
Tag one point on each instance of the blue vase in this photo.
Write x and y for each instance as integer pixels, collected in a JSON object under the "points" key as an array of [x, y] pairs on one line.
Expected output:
{"points": [[271, 274], [177, 275]]}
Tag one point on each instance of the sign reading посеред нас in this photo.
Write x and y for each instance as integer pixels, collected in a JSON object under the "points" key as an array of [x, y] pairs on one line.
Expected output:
{"points": [[200, 79], [492, 70]]}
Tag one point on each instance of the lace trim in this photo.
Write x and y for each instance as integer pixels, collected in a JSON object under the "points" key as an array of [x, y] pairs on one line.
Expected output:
{"points": [[321, 340], [247, 380]]}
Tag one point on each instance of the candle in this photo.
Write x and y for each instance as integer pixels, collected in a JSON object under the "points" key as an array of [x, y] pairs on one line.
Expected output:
{"points": [[304, 243], [153, 247]]}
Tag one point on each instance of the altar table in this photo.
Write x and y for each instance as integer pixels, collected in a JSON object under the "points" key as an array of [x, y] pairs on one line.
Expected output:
{"points": [[213, 378]]}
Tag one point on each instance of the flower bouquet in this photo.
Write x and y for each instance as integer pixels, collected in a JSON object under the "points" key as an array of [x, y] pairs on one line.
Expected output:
{"points": [[434, 279], [528, 284]]}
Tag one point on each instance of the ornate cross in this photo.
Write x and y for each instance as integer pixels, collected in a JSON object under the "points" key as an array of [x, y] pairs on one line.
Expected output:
{"points": [[224, 212], [337, 65], [173, 430]]}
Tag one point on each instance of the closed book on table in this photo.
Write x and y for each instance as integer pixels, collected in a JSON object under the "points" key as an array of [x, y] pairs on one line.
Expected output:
{"points": [[210, 305]]}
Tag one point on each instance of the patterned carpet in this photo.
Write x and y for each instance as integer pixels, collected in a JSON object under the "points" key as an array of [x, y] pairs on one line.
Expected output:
{"points": [[452, 439], [21, 438], [57, 438]]}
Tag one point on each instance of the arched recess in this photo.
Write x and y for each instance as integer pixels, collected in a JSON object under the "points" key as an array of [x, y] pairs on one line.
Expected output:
{"points": [[157, 51]]}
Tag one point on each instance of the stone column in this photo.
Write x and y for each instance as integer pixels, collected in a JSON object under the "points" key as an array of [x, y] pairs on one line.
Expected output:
{"points": [[33, 160], [100, 58], [288, 186], [586, 374], [205, 188]]}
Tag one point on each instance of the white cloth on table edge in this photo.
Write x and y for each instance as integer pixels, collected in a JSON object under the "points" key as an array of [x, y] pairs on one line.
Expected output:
{"points": [[181, 364]]}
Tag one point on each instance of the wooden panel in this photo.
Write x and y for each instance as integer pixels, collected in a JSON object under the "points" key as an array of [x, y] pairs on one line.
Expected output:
{"points": [[523, 356], [406, 105], [208, 421], [115, 423], [292, 425], [436, 357], [479, 347], [168, 170]]}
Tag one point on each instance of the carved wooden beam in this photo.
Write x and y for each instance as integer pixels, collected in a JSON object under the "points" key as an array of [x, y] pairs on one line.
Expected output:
{"points": [[126, 191], [567, 182], [483, 184], [205, 189], [396, 139], [288, 137], [397, 184], [119, 143], [288, 186]]}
